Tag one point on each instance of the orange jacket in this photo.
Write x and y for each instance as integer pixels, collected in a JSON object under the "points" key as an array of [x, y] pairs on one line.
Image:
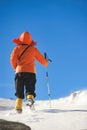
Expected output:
{"points": [[27, 61]]}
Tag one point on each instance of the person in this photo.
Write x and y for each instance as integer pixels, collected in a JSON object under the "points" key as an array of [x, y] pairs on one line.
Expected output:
{"points": [[22, 60]]}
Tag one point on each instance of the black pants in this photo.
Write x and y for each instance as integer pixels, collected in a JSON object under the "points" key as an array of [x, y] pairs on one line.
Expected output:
{"points": [[25, 81]]}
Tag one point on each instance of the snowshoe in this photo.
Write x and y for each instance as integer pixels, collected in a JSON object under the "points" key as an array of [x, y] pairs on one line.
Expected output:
{"points": [[19, 111], [30, 102]]}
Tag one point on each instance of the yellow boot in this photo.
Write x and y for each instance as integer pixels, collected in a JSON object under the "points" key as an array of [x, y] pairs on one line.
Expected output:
{"points": [[30, 97], [18, 105]]}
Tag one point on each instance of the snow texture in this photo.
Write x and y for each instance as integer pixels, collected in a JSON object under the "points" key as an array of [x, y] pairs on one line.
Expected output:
{"points": [[69, 113]]}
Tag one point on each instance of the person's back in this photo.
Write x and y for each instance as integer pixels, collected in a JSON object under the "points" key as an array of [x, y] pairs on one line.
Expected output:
{"points": [[23, 61], [27, 62]]}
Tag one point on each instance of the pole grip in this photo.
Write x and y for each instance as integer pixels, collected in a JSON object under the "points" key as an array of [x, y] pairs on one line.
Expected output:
{"points": [[45, 55]]}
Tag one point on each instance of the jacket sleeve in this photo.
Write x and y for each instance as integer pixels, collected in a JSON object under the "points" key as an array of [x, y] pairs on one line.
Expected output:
{"points": [[14, 58], [40, 58]]}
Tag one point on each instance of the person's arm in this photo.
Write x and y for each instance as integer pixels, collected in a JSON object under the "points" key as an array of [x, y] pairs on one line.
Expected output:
{"points": [[14, 58], [40, 58]]}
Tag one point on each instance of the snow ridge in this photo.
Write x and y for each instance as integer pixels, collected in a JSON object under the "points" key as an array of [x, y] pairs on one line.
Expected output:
{"points": [[69, 113]]}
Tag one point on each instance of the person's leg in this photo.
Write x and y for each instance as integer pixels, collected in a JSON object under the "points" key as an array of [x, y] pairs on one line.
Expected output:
{"points": [[19, 86], [30, 85]]}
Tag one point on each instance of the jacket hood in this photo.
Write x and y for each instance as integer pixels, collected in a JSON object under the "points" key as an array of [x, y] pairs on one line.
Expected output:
{"points": [[24, 38]]}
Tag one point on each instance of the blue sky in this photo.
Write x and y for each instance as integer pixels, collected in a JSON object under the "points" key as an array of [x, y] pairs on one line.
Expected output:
{"points": [[60, 29]]}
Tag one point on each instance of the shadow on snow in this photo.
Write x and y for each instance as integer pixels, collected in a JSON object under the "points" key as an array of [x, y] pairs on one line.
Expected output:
{"points": [[60, 111]]}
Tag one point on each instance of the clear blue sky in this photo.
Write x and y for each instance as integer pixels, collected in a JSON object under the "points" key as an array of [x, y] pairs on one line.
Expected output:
{"points": [[60, 29]]}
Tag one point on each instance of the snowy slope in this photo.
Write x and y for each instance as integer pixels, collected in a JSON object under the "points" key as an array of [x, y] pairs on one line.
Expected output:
{"points": [[69, 113]]}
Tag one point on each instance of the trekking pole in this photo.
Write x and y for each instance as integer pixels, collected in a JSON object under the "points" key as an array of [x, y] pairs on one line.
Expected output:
{"points": [[47, 79]]}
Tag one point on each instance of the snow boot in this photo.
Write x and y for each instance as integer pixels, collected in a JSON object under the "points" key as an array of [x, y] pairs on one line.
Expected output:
{"points": [[18, 105], [30, 100]]}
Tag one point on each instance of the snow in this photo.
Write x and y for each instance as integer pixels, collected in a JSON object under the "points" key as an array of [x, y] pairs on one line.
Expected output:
{"points": [[68, 113]]}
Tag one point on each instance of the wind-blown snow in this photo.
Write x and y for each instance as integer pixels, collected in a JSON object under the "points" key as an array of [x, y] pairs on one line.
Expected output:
{"points": [[69, 113]]}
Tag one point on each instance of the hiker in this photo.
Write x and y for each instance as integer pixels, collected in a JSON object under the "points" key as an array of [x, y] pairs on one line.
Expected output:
{"points": [[23, 62]]}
